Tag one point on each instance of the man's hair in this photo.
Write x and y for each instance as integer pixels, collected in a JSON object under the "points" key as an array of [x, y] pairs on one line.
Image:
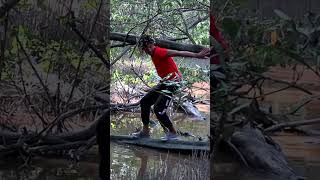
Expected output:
{"points": [[145, 40]]}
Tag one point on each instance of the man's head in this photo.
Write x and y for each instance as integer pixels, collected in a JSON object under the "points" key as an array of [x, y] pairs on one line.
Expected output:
{"points": [[146, 43]]}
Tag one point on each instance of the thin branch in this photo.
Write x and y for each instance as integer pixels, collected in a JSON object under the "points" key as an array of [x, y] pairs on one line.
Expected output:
{"points": [[37, 75], [120, 55], [83, 51], [292, 124], [91, 46]]}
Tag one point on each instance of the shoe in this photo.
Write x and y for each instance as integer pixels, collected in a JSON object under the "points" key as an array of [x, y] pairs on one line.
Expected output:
{"points": [[170, 136], [141, 134]]}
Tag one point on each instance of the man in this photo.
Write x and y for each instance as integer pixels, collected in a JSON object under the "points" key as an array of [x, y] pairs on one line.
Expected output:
{"points": [[160, 96], [214, 57]]}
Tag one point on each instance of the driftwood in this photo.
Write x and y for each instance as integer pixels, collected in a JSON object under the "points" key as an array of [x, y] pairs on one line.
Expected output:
{"points": [[178, 146]]}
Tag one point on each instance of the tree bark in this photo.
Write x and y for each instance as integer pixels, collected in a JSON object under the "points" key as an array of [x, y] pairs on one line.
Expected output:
{"points": [[132, 39]]}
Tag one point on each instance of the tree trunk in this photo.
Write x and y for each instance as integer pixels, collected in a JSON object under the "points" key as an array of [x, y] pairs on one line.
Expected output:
{"points": [[132, 39]]}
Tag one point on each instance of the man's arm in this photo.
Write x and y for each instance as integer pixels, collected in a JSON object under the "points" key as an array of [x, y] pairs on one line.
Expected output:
{"points": [[201, 55], [216, 33]]}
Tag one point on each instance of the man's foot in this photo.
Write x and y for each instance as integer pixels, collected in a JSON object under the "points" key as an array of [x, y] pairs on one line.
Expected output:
{"points": [[170, 136], [141, 134]]}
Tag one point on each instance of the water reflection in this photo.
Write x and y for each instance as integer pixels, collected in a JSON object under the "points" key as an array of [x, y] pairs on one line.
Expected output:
{"points": [[144, 164], [50, 169]]}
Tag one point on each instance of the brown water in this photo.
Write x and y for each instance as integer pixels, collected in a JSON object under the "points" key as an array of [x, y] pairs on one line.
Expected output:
{"points": [[303, 155], [131, 162], [50, 169], [303, 152]]}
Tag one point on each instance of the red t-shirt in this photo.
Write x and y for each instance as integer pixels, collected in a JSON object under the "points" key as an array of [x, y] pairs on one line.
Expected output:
{"points": [[164, 64], [217, 35]]}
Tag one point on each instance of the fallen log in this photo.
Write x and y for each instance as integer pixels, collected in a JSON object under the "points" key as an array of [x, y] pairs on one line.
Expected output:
{"points": [[132, 39], [262, 153], [178, 146], [8, 138], [292, 124]]}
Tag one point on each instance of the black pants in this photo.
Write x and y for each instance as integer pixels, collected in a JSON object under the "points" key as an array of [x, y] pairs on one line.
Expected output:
{"points": [[161, 101]]}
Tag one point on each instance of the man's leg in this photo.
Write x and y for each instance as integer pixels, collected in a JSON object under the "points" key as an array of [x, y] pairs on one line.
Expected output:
{"points": [[145, 103], [160, 109]]}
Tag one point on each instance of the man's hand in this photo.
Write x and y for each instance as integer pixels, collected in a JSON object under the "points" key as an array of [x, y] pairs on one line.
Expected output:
{"points": [[204, 53]]}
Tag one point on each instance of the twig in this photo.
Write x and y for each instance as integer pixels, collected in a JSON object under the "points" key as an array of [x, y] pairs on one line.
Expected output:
{"points": [[37, 75], [292, 124], [82, 53], [44, 122], [120, 55], [91, 46]]}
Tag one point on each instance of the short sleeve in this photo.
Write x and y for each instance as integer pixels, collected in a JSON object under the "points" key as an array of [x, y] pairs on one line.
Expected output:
{"points": [[161, 52]]}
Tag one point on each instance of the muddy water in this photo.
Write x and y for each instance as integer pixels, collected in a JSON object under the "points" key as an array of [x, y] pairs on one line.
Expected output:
{"points": [[303, 152], [303, 155], [127, 123], [129, 162], [141, 163], [54, 168]]}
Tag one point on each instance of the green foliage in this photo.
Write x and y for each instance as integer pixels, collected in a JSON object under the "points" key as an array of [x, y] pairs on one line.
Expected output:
{"points": [[168, 19], [257, 45], [231, 27]]}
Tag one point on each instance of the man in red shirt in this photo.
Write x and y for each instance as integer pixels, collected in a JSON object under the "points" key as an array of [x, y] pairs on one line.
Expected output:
{"points": [[168, 71], [214, 57]]}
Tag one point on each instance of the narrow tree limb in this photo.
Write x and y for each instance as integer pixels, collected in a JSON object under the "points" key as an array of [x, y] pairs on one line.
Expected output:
{"points": [[45, 88], [201, 19], [63, 116], [91, 46], [132, 39], [80, 135], [292, 124], [83, 51], [64, 146], [120, 55]]}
